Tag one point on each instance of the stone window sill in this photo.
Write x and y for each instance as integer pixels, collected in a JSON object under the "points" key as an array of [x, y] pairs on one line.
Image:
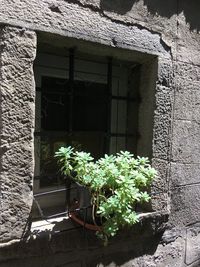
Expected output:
{"points": [[59, 224]]}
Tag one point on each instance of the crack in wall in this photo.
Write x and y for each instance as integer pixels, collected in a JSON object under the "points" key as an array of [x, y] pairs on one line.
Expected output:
{"points": [[101, 12]]}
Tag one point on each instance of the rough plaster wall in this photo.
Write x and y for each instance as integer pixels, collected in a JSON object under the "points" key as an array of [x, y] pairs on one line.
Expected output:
{"points": [[17, 122], [176, 148]]}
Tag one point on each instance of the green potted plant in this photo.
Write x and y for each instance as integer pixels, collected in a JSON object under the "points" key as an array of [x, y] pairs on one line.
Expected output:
{"points": [[116, 184]]}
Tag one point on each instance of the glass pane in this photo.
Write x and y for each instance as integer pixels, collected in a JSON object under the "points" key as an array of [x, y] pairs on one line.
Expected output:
{"points": [[49, 169], [90, 106], [117, 144], [132, 117], [55, 104], [131, 144], [119, 116]]}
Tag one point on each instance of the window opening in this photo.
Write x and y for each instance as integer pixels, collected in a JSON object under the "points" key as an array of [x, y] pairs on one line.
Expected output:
{"points": [[91, 105]]}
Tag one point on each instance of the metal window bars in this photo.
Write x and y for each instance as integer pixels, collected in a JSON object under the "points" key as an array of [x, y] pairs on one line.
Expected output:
{"points": [[107, 134], [70, 202]]}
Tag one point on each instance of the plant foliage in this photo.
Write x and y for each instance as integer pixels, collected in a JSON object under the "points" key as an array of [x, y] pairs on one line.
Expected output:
{"points": [[116, 183]]}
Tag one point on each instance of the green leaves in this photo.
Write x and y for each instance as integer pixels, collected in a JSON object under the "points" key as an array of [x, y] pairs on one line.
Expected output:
{"points": [[116, 182]]}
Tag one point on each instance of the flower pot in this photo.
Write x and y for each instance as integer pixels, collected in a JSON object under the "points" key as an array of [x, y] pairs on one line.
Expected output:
{"points": [[81, 210]]}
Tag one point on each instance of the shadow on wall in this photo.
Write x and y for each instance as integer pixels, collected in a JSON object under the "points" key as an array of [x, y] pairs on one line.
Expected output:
{"points": [[126, 250], [161, 8], [79, 247], [142, 240]]}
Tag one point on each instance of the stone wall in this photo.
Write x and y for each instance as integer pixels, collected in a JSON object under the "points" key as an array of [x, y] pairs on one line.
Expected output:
{"points": [[166, 31], [17, 53]]}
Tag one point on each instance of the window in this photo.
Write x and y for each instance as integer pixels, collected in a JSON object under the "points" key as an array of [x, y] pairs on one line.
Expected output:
{"points": [[74, 116], [84, 101]]}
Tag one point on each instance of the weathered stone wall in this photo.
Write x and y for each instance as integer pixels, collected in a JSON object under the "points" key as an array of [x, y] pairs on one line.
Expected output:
{"points": [[168, 30], [17, 53]]}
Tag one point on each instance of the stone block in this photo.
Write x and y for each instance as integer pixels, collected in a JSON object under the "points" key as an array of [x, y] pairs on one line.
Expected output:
{"points": [[164, 100], [165, 72], [162, 136], [17, 89], [162, 122], [192, 250], [185, 143], [188, 44], [160, 183], [170, 255], [187, 105], [81, 22], [187, 76], [159, 17], [160, 186], [184, 174], [57, 16], [185, 205], [160, 201]]}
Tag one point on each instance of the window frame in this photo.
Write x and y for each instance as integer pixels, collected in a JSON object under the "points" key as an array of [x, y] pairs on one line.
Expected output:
{"points": [[61, 72]]}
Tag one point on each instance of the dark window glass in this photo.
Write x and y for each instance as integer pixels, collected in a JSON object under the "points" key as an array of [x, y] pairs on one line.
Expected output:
{"points": [[86, 106], [90, 106], [55, 101]]}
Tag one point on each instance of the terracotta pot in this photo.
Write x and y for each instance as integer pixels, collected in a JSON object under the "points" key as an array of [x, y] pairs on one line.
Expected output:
{"points": [[81, 209], [74, 216]]}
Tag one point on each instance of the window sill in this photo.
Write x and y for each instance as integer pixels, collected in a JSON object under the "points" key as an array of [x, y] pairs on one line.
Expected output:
{"points": [[153, 215], [64, 223]]}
